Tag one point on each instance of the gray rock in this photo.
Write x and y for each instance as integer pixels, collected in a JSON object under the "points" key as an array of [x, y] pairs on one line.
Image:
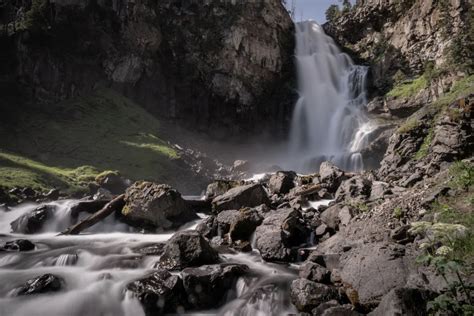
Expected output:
{"points": [[208, 227], [159, 293], [306, 294], [314, 272], [379, 190], [219, 187], [330, 216], [187, 249], [282, 182], [358, 266], [17, 245], [34, 221], [244, 225], [330, 175], [280, 231], [250, 195], [207, 285], [357, 187], [224, 220], [39, 285], [403, 301], [156, 206], [344, 310]]}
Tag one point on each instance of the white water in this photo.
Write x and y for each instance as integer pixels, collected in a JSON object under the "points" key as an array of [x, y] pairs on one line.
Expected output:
{"points": [[328, 120], [98, 264]]}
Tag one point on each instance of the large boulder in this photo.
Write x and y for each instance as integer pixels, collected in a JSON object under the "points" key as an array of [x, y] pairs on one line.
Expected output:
{"points": [[330, 175], [33, 221], [281, 231], [355, 188], [250, 195], [306, 294], [404, 301], [358, 266], [17, 245], [282, 182], [187, 249], [43, 284], [208, 227], [153, 205], [240, 224], [159, 293], [207, 286], [219, 187]]}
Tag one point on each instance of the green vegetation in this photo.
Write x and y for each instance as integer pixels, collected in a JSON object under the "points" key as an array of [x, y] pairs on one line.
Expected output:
{"points": [[332, 13], [408, 88], [461, 88], [71, 143], [425, 146], [449, 242], [410, 124], [36, 19], [398, 212]]}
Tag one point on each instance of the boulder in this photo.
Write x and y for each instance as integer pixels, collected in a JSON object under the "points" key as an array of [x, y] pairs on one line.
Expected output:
{"points": [[357, 187], [208, 227], [358, 266], [279, 233], [206, 286], [306, 294], [314, 272], [42, 284], [187, 249], [330, 216], [404, 301], [239, 224], [156, 206], [159, 293], [219, 187], [250, 195], [224, 220], [18, 245], [330, 175], [379, 190], [344, 310], [282, 182], [33, 221]]}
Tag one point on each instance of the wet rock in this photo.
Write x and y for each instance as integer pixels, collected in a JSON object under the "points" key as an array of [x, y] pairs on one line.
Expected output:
{"points": [[282, 182], [220, 187], [330, 175], [187, 249], [208, 227], [358, 266], [151, 250], [207, 285], [159, 293], [357, 187], [306, 294], [156, 206], [42, 284], [33, 222], [243, 226], [113, 182], [403, 301], [314, 272], [242, 246], [281, 230], [52, 195], [250, 195], [18, 245], [88, 206]]}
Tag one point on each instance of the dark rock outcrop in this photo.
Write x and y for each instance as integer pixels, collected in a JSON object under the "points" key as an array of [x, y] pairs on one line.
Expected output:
{"points": [[306, 294], [187, 249], [220, 66], [17, 245], [282, 182], [155, 205], [42, 284], [33, 222]]}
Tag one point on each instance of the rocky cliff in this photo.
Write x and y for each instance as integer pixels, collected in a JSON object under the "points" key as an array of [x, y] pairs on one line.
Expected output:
{"points": [[221, 66]]}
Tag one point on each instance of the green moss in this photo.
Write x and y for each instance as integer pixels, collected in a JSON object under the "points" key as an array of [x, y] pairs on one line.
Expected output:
{"points": [[408, 89], [71, 143], [398, 213], [410, 124], [425, 146]]}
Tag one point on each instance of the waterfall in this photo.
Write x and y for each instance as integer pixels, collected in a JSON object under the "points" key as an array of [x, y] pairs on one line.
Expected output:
{"points": [[328, 122]]}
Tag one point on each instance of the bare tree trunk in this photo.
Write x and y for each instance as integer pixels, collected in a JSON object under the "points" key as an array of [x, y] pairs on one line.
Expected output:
{"points": [[114, 205]]}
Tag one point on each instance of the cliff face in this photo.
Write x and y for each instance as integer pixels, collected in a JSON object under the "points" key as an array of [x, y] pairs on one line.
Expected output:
{"points": [[393, 35], [220, 66]]}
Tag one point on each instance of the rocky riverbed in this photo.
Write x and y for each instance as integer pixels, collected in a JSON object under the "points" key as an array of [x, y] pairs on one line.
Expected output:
{"points": [[324, 244]]}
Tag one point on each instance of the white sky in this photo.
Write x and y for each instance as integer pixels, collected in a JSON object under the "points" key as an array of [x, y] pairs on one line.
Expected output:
{"points": [[312, 9]]}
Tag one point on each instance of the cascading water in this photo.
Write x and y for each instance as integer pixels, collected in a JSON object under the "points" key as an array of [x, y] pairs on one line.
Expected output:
{"points": [[328, 121]]}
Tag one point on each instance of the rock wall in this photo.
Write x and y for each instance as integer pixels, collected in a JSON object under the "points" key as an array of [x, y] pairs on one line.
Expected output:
{"points": [[393, 35], [220, 66]]}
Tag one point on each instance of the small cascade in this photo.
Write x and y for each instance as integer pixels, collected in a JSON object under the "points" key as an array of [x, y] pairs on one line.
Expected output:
{"points": [[328, 122]]}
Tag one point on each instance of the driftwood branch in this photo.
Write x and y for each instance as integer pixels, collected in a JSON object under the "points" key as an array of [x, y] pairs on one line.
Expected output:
{"points": [[311, 190], [114, 205]]}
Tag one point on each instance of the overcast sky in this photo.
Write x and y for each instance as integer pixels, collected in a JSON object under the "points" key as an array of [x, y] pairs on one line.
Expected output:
{"points": [[312, 9]]}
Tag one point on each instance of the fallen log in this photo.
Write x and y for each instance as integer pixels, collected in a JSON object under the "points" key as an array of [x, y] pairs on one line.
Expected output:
{"points": [[115, 205], [308, 191]]}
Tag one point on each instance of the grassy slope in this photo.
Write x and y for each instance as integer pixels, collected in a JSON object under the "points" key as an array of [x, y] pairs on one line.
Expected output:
{"points": [[67, 144]]}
